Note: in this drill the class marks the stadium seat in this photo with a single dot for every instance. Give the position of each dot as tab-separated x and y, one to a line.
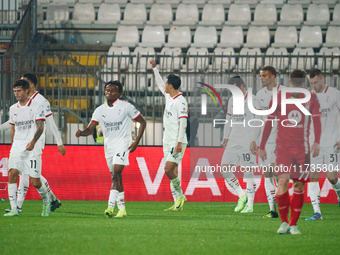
285	37
291	14
153	36
246	2
324	1
83	13
141	1
193	1
329	58
276	2
310	37
304	2
257	37
332	37
186	14
276	57
160	14
213	14
127	36
134	14
302	58
336	15
172	2
231	37
143	54
56	14
119	58
205	37
239	14
265	14
115	1
199	62
108	14
223	59
251	59
67	2
225	2
317	14
97	2
170	63
179	37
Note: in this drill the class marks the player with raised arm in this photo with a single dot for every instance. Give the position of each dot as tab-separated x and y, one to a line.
263	98
292	149
236	140
24	178
174	137
115	117
328	158
27	119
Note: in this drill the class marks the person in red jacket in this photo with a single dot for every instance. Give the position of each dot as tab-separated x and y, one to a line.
292	149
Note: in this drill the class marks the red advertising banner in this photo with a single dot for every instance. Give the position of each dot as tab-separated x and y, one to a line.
82	174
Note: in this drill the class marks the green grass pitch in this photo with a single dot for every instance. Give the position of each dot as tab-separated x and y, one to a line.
80	227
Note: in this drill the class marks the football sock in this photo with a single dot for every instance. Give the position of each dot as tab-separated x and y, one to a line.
295	207
113	197
24	184
120	201
283	206
43	193
336	188
251	186
12	195
235	185
314	194
177	186
173	191
50	194
270	192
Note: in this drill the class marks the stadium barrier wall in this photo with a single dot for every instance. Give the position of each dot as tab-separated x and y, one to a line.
82	174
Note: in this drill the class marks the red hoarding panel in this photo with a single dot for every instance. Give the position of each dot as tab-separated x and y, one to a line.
82	174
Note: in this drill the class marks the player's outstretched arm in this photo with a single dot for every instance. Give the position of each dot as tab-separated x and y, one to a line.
53	127
140	119
40	130
159	81
87	131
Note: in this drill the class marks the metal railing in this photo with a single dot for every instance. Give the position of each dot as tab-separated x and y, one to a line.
73	84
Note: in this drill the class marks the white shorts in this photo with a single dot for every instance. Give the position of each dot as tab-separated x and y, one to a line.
238	156
327	157
170	155
118	158
26	165
270	149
